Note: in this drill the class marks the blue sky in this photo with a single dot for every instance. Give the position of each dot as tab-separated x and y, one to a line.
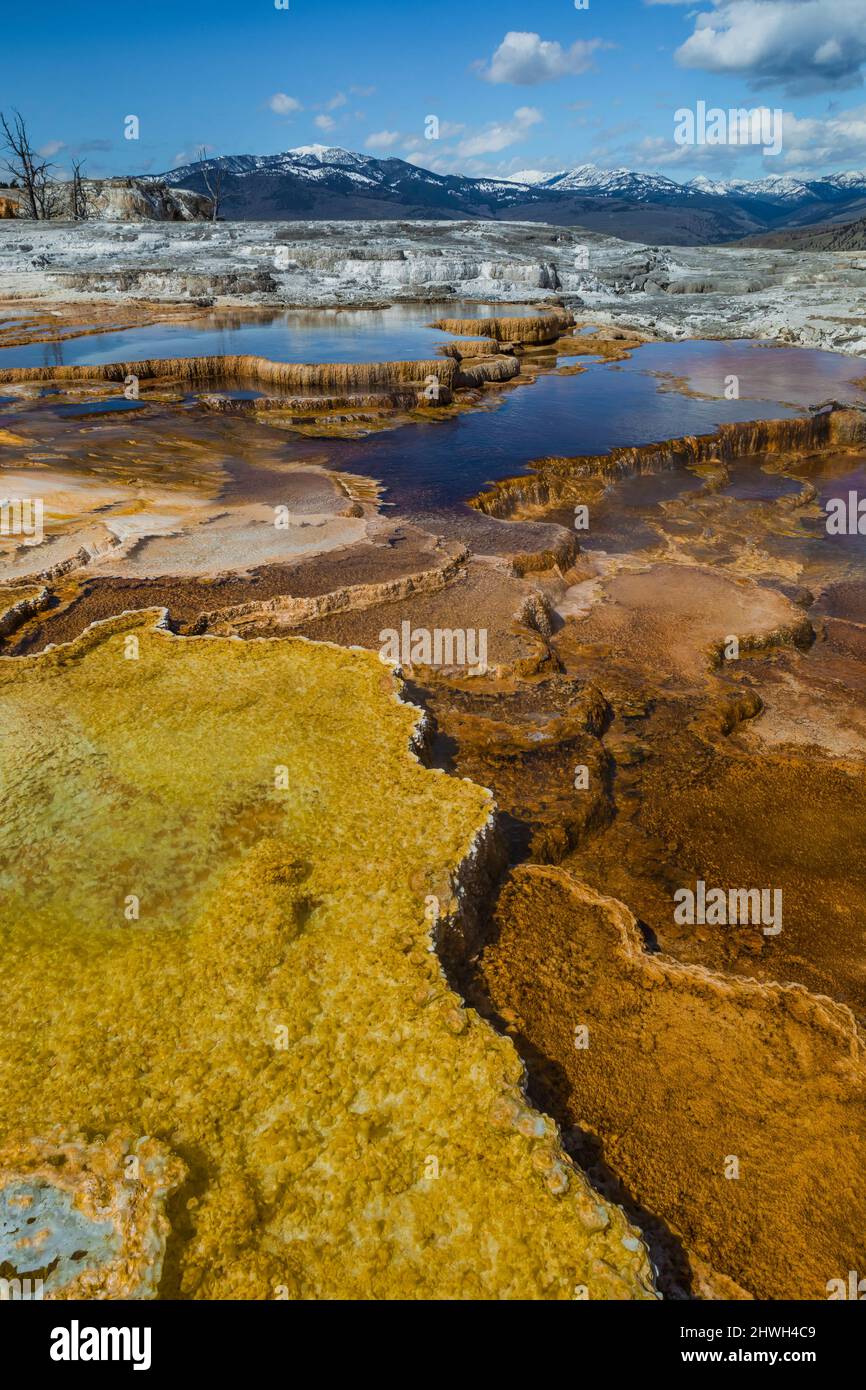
514	85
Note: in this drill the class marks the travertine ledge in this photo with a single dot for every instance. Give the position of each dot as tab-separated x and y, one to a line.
237	959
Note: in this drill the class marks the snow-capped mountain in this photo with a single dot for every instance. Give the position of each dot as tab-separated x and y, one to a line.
318	163
776	186
622	182
328	182
785	187
532	177
589	178
703	185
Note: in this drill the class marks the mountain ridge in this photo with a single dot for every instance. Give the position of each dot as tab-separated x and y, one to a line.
328	182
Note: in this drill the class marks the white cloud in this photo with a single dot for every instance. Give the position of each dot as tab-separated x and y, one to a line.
324	122
284	105
811	147
336	101
448	130
801	45
815	145
382	139
51	148
465	156
196	147
531	175
362	91
448	161
500	134
657	153
526	59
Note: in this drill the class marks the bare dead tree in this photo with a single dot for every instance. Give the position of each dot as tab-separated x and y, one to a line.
50	198
213	180
40	198
80	200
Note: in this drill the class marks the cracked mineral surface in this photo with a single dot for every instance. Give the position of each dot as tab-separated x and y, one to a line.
812	298
392	1003
236	959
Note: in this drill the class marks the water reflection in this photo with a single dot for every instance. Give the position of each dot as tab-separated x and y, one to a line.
399	331
606	406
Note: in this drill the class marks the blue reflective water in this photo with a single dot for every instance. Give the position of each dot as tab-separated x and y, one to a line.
106	407
400	331
610	404
438	465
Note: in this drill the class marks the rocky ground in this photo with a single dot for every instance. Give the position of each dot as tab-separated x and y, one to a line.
337	1124
810	298
626	753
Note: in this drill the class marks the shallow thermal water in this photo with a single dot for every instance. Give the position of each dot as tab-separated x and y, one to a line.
682	797
436	466
399	332
608	405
